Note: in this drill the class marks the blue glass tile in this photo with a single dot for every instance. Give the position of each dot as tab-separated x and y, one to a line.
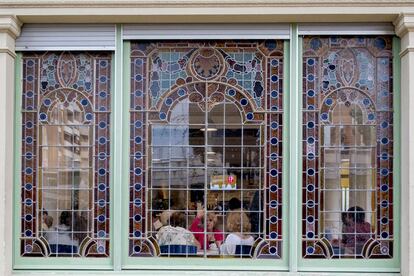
311	93
384	188
137	218
273	172
102	124
101	218
273	204
273	235
137	187
310	187
310	219
102	187
102	171
249	116
310	250
273	219
310	172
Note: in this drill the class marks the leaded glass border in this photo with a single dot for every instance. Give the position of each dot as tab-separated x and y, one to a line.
81	83
355	73
247	73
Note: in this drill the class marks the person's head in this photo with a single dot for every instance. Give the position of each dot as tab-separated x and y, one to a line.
354	214
235	203
48	220
357	214
65	218
211	221
238	222
177	219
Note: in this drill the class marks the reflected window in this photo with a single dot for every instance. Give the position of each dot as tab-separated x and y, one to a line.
347	134
65	208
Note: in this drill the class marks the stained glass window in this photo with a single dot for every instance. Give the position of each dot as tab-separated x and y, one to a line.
65	154
347	202
206	149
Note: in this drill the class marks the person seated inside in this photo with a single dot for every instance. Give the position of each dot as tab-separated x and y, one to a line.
176	233
239	225
235	204
214	237
61	237
355	231
47	221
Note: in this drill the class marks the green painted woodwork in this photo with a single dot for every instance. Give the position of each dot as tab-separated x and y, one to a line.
292	178
354	265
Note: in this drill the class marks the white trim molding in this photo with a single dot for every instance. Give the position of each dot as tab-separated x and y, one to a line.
206	31
9	31
335	28
404	24
404	28
10	24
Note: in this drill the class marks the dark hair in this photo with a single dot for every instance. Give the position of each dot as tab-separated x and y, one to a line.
356	213
178	219
65	218
235	204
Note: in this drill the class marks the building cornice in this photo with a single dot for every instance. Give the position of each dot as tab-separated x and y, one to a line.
11	25
404	24
201	3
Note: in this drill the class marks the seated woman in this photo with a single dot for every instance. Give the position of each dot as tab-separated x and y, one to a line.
355	230
176	235
213	235
61	238
238	223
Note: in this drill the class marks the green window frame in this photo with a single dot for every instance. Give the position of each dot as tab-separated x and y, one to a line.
292	259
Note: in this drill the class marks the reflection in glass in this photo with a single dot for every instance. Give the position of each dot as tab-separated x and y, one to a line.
211	104
65	207
213	164
347	180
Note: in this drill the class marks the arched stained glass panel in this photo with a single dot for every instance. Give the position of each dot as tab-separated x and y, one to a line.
65	155
206	149
347	201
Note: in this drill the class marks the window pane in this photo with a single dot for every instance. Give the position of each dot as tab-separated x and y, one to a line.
210	104
347	107
65	208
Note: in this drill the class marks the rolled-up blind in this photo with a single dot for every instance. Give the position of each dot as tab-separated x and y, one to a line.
46	37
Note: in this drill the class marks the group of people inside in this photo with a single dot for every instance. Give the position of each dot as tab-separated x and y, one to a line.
204	233
237	225
66	235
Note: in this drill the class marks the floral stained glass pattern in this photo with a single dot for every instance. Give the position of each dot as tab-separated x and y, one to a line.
65	154
206	142
347	201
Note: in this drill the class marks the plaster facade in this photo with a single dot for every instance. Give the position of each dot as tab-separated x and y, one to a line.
15	13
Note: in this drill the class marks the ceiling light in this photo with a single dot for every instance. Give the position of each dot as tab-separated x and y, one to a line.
209	129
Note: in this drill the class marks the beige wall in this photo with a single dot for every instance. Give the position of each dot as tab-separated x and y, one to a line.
213	11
